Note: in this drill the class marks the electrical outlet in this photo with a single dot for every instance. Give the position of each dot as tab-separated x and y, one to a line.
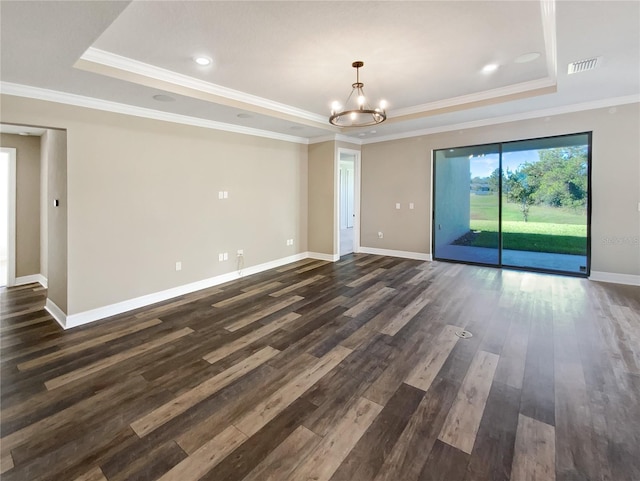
225	256
411	206
225	194
380	235
178	266
240	252
220	195
398	205
220	257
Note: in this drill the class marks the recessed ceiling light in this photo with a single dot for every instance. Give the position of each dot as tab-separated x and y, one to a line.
372	131
491	67
244	116
296	127
24	133
527	57
204	61
163	98
362	134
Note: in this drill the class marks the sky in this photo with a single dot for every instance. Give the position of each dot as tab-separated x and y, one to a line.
483	166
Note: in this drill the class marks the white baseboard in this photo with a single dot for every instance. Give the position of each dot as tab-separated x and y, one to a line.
629	279
92	315
86	317
419	256
39	278
324	257
56	313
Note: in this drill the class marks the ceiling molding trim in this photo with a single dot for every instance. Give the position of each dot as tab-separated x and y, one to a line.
335	138
534	114
119	62
323	138
27	91
346	138
474	98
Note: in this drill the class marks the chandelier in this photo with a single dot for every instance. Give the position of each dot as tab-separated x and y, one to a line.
358	113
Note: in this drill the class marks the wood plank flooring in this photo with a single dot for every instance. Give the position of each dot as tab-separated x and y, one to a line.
346	371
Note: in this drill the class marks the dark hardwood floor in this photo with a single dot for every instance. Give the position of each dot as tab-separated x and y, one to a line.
344	372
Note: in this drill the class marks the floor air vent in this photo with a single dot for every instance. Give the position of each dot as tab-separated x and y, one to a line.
584	65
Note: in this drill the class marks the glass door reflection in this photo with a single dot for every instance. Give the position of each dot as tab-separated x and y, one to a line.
467	185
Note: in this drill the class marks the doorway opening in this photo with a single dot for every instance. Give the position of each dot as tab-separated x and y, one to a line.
522	204
7	216
348	201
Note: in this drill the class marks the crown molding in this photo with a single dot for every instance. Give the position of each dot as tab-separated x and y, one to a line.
38	93
18	90
336	138
108	59
349	140
533	114
475	98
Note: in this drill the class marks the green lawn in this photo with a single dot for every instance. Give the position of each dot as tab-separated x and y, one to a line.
549	229
486	207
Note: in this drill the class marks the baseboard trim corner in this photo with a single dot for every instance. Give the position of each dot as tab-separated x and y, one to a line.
615	278
419	256
57	313
324	257
30	279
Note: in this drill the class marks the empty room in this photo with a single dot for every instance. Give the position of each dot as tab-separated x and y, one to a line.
320	240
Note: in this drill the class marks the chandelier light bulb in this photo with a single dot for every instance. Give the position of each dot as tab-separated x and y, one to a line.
361	100
353	115
383	104
335	106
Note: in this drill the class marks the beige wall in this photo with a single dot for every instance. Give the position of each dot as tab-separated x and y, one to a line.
392	172
400	171
54	154
143	194
27	202
321	197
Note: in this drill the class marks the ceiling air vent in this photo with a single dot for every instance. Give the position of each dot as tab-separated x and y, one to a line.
584	65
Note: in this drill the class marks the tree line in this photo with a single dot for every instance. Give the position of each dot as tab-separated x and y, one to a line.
557	179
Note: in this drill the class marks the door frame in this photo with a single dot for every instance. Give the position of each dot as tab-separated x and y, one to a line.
11	217
356	198
500	265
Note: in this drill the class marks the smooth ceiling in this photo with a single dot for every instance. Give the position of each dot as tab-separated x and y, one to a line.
283	63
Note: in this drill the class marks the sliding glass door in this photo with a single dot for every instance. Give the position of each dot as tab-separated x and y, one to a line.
522	204
467	195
